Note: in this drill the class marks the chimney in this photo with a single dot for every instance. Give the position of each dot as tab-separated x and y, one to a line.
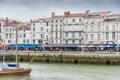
31	20
7	21
14	21
53	14
67	13
87	12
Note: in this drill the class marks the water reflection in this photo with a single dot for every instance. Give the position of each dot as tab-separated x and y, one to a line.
15	77
42	71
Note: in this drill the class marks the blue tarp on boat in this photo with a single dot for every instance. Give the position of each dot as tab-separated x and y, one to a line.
12	65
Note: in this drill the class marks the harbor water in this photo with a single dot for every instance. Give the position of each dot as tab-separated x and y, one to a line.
49	71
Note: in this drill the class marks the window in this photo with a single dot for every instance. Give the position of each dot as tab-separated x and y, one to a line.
60	41
40	23
56	41
66	34
66	41
41	35
52	41
60	20
0	37
51	27
9	41
73	20
92	21
6	35
86	21
73	41
10	29
61	35
80	34
24	35
73	34
52	21
47	37
56	21
41	28
56	27
28	41
34	29
99	28
20	35
86	36
113	35
60	27
23	41
33	41
99	36
113	27
24	30
86	28
0	30
33	35
107	28
33	24
92	37
39	41
79	41
56	35
46	23
92	28
80	19
66	21
107	36
47	30
10	36
6	29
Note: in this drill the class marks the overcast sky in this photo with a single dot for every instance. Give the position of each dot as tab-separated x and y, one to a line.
33	9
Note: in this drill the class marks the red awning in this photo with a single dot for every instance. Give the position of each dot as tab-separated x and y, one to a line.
4	45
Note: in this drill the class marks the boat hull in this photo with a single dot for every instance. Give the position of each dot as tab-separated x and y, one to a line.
17	71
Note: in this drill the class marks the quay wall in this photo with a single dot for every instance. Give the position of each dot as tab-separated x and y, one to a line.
112	58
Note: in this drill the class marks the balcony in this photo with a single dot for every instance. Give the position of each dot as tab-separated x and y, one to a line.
78	38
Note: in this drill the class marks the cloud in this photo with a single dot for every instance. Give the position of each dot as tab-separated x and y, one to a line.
27	9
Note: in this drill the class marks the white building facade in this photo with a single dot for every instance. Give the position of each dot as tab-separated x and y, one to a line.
40	30
85	28
78	28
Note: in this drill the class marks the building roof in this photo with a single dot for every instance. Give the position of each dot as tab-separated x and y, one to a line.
97	14
86	14
68	14
113	15
43	19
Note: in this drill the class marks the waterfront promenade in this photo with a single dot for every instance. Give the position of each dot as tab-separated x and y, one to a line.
69	53
65	57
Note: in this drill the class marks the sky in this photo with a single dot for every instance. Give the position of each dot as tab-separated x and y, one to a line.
33	9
